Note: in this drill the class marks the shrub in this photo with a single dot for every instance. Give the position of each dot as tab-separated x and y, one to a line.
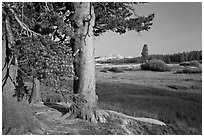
53	98
200	61
193	63
155	65
104	70
132	69
189	71
116	70
120	69
184	64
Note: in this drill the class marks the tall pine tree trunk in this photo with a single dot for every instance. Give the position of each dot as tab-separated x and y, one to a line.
36	92
84	64
17	117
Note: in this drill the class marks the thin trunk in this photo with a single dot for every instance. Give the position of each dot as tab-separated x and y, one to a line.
36	92
17	117
84	64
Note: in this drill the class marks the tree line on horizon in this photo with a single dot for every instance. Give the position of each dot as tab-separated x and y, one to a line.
167	58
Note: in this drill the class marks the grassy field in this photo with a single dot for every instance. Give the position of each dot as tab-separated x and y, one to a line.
166	80
175	99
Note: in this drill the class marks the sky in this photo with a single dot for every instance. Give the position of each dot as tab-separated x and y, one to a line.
177	27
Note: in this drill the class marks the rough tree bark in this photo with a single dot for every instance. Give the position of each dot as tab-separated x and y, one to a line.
17	117
36	92
84	64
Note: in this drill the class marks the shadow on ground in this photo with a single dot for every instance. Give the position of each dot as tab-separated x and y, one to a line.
61	108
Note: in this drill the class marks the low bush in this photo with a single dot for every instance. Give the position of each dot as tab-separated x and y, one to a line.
120	69
116	70
189	71
132	69
200	61
53	98
184	64
104	70
155	65
193	63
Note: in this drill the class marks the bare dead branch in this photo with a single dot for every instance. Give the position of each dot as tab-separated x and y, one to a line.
47	8
130	7
23	25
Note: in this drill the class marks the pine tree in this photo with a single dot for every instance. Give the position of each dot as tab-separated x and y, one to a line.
144	53
58	30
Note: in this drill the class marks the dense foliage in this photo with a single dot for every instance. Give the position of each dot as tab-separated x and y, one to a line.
179	57
43	50
155	65
193	63
119	17
115	70
42	32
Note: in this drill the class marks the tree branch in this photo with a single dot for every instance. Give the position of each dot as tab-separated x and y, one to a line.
130	7
47	8
23	25
106	9
9	54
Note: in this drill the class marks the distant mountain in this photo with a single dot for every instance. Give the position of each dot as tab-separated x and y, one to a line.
129	57
109	57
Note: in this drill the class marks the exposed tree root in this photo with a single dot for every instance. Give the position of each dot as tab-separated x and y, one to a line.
96	116
147	120
101	115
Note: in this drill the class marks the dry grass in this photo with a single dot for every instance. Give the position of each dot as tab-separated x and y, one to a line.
172	98
187	82
179	109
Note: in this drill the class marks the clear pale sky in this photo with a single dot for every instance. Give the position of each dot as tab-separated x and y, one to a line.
177	27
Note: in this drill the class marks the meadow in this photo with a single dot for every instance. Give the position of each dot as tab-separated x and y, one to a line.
175	99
